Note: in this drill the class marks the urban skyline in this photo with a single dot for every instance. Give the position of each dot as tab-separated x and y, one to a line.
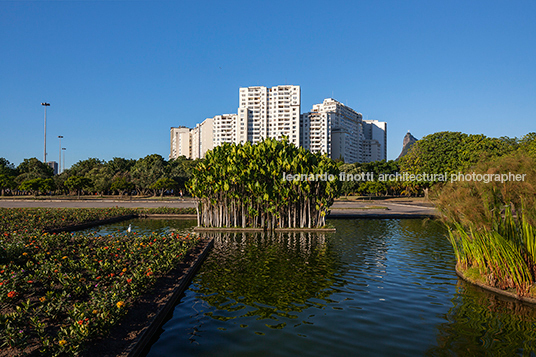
330	127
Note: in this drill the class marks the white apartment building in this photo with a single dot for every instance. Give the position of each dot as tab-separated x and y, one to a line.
330	128
272	112
230	128
375	144
202	138
181	142
334	129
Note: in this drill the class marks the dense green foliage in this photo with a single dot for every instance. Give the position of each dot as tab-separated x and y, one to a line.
149	175
58	291
493	224
451	152
259	270
371	185
246	186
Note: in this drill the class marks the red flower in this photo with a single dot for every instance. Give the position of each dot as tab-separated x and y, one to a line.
11	294
129	281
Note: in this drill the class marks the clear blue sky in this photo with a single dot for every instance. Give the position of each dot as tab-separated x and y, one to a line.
119	74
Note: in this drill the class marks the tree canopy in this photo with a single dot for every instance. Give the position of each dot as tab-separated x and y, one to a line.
269	184
450	152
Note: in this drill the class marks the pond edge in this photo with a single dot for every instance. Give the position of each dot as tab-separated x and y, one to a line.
250	229
528	300
137	348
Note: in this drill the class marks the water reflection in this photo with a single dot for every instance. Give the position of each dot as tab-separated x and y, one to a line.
375	287
482	321
145	226
267	276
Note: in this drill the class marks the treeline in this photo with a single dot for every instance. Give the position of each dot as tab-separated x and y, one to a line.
438	155
151	175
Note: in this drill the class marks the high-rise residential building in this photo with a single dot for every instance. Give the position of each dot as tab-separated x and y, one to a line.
334	129
230	128
330	128
202	138
181	142
375	144
272	112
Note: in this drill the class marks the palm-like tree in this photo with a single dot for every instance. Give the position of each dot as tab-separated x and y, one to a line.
244	185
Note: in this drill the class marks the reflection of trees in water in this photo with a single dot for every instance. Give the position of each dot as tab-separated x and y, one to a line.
483	320
266	275
146	226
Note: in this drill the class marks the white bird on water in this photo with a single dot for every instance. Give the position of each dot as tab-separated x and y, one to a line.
129	228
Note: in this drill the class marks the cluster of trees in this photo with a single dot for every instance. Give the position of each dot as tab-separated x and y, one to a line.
270	184
149	175
366	179
442	153
438	153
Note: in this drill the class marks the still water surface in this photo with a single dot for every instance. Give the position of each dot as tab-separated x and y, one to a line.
375	287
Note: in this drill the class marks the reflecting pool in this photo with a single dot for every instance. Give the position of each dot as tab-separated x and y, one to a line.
375	287
145	226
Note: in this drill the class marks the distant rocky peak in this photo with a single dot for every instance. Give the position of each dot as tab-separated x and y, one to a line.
408	141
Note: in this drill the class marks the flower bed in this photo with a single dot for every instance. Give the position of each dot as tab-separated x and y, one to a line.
58	291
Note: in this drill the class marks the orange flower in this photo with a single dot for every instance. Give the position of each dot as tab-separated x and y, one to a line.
11	294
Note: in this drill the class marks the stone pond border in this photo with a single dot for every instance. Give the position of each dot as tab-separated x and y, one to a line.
528	300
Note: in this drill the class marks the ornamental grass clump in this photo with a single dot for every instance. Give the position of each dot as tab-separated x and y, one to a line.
492	225
271	184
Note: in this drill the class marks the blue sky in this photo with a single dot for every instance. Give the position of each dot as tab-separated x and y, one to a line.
119	74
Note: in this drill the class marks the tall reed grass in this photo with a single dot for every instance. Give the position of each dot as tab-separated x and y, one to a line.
492	226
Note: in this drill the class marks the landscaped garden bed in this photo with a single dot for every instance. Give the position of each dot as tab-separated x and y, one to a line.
60	291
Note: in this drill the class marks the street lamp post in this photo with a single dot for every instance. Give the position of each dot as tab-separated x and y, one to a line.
64	157
59	162
45	104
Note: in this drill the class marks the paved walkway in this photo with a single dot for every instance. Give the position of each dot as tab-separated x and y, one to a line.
340	209
381	209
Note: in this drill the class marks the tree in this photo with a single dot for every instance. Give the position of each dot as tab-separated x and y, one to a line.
122	184
147	171
101	179
31	185
6	183
451	152
32	169
7	175
269	184
77	183
84	167
180	170
7	168
164	184
34	186
527	144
